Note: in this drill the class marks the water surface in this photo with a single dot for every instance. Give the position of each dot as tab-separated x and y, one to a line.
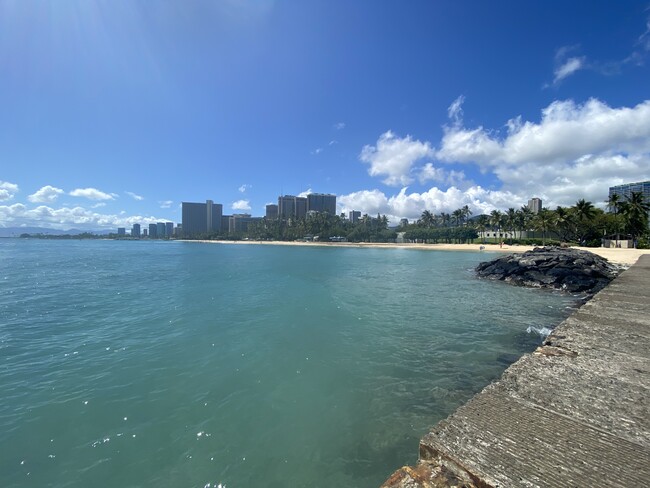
182	364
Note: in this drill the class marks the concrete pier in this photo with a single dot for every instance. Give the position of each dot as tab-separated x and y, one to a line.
574	413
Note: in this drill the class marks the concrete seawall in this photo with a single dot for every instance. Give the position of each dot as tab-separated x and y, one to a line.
573	413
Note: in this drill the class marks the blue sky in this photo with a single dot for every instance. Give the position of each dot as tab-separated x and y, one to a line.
114	112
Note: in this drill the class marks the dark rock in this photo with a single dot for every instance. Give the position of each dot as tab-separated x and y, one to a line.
571	270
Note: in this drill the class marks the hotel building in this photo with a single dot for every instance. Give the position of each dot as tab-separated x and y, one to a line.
201	218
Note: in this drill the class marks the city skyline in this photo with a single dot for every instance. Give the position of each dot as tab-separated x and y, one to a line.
114	114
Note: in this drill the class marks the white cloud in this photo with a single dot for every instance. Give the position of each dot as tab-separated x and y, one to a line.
411	205
339	125
451	178
166	203
47	194
241	205
455	110
134	196
305	193
318	150
394	157
92	194
67	217
568	67
574	151
566	132
7	190
332	142
245	187
98	205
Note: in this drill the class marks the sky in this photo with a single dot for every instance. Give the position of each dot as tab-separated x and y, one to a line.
114	112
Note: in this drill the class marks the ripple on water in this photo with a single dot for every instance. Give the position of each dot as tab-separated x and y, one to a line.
135	363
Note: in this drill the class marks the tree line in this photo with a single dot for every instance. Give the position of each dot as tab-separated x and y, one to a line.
582	223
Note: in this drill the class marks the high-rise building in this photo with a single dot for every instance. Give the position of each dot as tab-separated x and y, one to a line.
321	202
272	211
161	229
241	222
354	216
145	232
292	207
535	205
169	229
135	230
625	191
121	231
201	218
153	231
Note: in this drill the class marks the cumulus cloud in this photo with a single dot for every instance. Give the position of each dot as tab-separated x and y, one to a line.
450	178
574	151
67	217
305	193
339	125
566	132
166	203
92	194
241	205
245	187
394	157
47	194
7	190
411	205
134	196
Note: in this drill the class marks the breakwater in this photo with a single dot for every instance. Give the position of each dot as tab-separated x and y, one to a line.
573	413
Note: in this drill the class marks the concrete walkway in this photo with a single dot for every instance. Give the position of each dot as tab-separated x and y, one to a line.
575	413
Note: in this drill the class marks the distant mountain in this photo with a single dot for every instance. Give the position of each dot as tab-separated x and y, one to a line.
17	231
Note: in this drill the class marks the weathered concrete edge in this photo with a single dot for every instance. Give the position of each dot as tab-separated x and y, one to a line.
440	467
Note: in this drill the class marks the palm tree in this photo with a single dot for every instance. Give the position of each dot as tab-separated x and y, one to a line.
584	212
511	221
496	219
635	211
525	218
457	216
563	222
445	219
481	223
466	213
427	219
614	205
543	221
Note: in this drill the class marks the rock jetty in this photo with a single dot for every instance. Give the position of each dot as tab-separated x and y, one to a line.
571	270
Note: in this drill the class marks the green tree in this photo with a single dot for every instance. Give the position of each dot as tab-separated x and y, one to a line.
543	222
614	205
635	212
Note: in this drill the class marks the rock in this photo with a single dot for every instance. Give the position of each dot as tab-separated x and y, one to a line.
571	270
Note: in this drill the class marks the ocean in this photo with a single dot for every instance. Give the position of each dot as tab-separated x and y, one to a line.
172	364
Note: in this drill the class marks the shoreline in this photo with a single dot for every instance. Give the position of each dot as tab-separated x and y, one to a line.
624	257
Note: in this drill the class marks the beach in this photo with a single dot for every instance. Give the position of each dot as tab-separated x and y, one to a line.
624	257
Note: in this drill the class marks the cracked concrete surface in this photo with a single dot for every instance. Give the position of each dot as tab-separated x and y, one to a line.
573	413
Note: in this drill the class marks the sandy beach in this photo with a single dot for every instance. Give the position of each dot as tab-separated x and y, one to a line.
625	257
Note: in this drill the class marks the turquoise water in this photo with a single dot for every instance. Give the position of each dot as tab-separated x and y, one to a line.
181	364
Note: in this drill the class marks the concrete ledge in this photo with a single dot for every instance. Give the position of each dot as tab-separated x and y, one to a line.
573	413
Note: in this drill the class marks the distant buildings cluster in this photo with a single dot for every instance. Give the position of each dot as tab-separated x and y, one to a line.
159	230
208	218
